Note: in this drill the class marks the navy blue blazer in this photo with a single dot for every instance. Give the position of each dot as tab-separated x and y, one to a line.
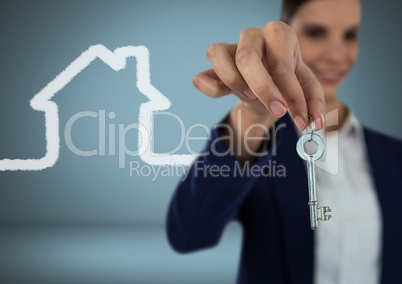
278	244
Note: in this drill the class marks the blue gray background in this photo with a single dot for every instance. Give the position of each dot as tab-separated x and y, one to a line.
86	219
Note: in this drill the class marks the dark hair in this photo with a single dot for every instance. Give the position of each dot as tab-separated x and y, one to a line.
289	8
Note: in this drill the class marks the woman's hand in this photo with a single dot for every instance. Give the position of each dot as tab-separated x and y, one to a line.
265	70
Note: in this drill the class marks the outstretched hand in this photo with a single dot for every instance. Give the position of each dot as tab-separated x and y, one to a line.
266	71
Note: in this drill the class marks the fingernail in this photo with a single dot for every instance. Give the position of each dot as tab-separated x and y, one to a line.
277	108
319	122
249	93
322	116
300	123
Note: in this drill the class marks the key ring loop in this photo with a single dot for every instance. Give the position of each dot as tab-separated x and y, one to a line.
306	138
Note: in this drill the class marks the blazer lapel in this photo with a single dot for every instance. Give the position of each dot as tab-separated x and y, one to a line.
387	179
292	196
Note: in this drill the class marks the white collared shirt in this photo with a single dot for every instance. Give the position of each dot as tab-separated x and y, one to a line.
347	247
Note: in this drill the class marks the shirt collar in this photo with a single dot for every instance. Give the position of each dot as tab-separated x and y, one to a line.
351	126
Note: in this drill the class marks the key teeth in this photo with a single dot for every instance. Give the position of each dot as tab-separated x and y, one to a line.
323	216
326	218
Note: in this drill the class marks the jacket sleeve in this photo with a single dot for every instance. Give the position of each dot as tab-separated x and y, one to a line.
209	196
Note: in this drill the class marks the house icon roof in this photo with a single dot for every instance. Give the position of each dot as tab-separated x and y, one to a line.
116	60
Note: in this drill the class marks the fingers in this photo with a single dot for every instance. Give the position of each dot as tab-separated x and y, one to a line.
268	59
224	78
210	84
266	65
313	94
282	59
221	56
249	62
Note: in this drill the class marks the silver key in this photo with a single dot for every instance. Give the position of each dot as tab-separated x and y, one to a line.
316	213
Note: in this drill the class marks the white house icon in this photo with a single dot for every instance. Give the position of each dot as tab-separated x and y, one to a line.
117	61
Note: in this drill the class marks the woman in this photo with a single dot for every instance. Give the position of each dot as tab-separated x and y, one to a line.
294	66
